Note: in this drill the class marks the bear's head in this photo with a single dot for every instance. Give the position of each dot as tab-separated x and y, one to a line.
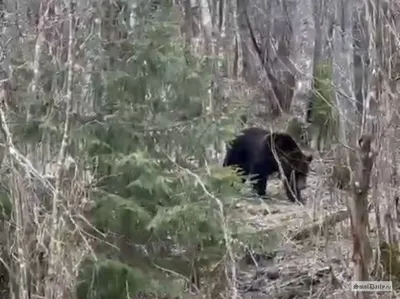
295	162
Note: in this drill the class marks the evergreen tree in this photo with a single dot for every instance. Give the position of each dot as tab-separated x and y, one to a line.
158	191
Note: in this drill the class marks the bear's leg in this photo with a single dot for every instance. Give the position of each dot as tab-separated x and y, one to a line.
260	186
292	189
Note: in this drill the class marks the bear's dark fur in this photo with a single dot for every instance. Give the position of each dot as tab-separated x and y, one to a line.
252	153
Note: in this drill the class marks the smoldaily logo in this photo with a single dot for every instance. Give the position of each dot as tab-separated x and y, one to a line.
371	286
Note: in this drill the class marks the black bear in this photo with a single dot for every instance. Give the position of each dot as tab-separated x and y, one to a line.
253	153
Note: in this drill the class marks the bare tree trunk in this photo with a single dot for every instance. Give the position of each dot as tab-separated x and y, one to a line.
19	206
305	38
45	7
188	26
345	100
381	116
362	251
53	288
343	70
323	19
343	81
230	39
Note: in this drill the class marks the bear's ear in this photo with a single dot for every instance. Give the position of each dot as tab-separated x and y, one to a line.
309	158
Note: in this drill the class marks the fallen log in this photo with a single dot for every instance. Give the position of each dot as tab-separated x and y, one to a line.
318	226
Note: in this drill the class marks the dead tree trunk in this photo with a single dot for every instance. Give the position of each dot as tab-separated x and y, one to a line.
362	251
304	36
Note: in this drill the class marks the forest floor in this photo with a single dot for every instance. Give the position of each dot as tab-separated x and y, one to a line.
301	265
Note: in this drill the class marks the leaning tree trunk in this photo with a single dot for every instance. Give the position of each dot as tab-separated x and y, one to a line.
266	45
